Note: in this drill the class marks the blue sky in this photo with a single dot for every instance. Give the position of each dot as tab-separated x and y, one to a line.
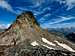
49	13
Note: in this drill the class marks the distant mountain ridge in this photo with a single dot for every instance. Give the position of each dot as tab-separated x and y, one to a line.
68	33
64	30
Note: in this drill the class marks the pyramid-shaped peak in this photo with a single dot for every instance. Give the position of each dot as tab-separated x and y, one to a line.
26	14
27	17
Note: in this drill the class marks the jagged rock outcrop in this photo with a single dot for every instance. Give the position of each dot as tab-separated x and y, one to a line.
25	31
24	27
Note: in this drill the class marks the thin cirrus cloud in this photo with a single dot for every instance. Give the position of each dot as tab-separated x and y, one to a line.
64	25
57	22
44	18
38	11
5	5
69	3
36	3
58	25
62	18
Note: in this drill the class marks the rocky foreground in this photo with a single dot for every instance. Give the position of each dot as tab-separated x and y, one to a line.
36	51
25	38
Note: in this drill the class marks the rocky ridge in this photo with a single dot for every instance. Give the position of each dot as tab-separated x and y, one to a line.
26	33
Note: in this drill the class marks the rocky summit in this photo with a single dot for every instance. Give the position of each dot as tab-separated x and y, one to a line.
26	38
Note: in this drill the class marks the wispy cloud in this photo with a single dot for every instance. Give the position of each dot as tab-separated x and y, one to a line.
37	2
62	18
34	10
69	3
4	4
4	26
56	23
43	19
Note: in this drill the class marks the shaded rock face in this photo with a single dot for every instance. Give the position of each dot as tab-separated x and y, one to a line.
71	37
26	32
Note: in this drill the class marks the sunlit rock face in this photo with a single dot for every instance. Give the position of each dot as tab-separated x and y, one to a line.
26	33
24	27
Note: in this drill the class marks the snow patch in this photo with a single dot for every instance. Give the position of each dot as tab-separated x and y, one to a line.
65	46
34	43
48	47
48	42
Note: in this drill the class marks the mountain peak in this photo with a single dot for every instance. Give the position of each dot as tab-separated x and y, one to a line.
26	31
27	17
24	25
25	20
